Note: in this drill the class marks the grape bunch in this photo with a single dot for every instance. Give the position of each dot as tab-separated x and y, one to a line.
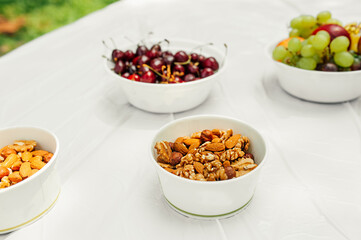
304	25
156	66
320	44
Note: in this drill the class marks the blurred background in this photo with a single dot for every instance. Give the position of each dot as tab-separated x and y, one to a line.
24	20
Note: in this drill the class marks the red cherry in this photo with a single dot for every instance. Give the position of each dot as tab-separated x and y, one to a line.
129	55
134	77
157	64
148	77
117	55
119	67
125	75
178	68
206	72
135	60
189	77
194	57
210	62
192	68
181	56
141	50
153	53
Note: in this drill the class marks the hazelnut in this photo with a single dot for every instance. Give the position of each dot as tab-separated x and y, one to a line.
206	136
230	172
175	158
249	155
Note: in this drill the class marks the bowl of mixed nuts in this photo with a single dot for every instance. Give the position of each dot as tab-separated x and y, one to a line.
29	185
208	165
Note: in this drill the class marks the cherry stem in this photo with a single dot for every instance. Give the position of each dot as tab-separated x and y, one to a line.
105	45
156	72
115	46
225	53
106	58
201	46
127	38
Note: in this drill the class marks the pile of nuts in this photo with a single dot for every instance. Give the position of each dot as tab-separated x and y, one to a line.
20	160
210	155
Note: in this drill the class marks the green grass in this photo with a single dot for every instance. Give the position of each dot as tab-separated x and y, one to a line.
43	16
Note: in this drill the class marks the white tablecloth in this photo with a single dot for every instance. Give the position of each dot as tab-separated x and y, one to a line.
309	189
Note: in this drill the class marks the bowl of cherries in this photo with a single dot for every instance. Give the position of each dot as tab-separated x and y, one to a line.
165	76
320	60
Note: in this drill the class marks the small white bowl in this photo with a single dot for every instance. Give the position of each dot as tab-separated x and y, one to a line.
30	199
209	199
166	98
317	86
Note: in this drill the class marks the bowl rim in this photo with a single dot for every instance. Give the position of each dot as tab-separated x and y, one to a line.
199	81
43	169
269	49
220	117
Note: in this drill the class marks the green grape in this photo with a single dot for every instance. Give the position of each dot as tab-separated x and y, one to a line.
306	32
279	53
323	16
339	44
294	33
307	63
320	42
308	21
294	45
317	58
333	21
310	39
308	51
343	59
296	22
324	33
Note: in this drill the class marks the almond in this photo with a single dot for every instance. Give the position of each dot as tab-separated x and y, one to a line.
40	153
10	160
180	147
216	132
33	171
25	170
36	162
198	167
192	141
215	147
179	140
15	177
4	172
216	140
170	170
232	141
26	156
16	165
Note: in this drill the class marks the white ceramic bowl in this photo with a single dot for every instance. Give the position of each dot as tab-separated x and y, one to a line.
209	199
317	86
165	98
28	200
